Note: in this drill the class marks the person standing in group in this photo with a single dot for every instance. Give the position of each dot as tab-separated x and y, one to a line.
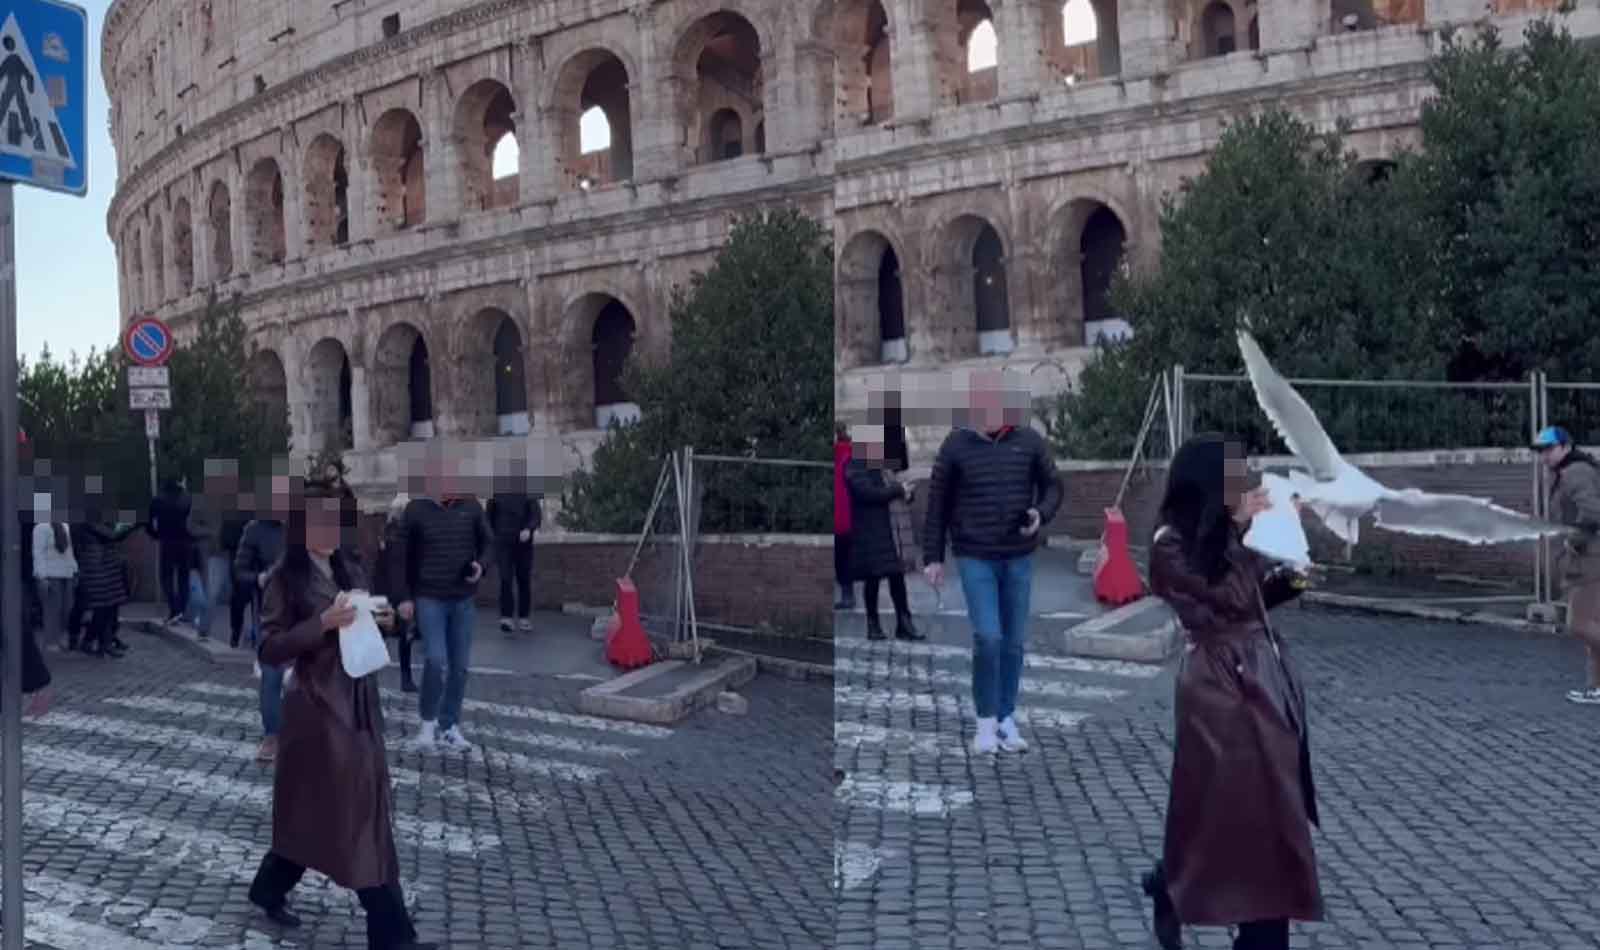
1242	804
842	520
55	570
104	577
219	496
260	546
389	580
168	523
993	488
515	516
236	518
1575	502
443	546
332	727
877	553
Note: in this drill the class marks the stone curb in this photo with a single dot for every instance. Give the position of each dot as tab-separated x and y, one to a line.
155	628
797	670
1094	638
1376	605
610	699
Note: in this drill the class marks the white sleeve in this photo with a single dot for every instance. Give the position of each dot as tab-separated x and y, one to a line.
43	536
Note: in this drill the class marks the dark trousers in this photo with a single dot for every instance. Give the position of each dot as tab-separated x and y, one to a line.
176	560
403	632
841	560
75	618
102	627
1263	935
243	596
388	923
897	593
516	579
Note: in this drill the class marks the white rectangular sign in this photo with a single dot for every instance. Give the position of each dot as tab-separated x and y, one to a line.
152	423
145	377
149	399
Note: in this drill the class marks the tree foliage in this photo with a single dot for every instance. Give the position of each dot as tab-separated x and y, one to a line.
1476	258
750	375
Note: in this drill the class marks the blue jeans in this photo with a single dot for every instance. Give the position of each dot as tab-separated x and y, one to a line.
446	627
271	699
214	599
999	595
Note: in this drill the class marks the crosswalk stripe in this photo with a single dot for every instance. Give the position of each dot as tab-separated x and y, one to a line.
224	789
1032	661
177	848
54	917
522	763
399	700
955	706
518	802
855	864
915	798
883	669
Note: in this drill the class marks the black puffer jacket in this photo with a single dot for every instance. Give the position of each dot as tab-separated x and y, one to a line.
981	490
872	548
102	570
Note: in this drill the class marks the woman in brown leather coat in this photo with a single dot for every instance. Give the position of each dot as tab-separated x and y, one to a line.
1238	836
331	804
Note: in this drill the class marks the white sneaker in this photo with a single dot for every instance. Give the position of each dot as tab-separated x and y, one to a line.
1588	697
505	626
1010	737
987	741
427	735
526	625
453	739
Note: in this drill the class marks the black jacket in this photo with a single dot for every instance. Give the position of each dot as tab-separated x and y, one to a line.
873	552
233	525
102	570
260	547
981	490
438	544
169	519
510	515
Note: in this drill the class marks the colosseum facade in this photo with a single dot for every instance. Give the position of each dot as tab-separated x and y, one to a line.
452	219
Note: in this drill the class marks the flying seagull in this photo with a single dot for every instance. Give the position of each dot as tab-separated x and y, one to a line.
1340	494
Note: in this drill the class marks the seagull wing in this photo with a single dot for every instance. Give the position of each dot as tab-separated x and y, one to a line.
1458	517
1277	532
1289	413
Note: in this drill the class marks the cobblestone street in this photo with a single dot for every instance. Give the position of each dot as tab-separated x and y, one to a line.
1454	779
146	815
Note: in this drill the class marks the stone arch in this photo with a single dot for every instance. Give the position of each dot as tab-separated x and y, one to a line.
494	374
402	386
718	60
1373	171
1082	39
485	115
268	381
329	410
1254	34
158	263
1216	33
263	208
955	25
183	244
595	78
327	192
973	259
399	179
872	295
1089	245
861	31
219	214
601	333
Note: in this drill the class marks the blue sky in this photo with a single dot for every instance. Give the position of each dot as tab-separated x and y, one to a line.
66	266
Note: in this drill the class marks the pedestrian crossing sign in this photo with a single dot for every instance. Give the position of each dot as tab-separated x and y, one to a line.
44	85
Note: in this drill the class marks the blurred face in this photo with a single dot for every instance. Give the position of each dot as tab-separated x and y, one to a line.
987	403
1554	455
1235	473
324	529
274	496
868	443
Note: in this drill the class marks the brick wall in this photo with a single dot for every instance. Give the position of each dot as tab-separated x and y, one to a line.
1503	477
739	580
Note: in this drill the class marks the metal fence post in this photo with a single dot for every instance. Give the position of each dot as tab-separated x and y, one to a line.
1539	547
1180	403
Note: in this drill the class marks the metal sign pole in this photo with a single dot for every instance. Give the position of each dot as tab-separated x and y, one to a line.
151	440
11	584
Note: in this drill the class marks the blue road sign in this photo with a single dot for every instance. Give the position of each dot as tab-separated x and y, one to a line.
44	95
148	342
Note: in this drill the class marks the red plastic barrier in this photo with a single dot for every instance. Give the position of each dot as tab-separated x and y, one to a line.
1116	578
626	645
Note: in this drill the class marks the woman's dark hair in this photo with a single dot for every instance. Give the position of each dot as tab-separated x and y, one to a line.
1196	504
294	571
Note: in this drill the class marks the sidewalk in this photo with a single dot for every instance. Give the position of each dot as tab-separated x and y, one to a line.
559	645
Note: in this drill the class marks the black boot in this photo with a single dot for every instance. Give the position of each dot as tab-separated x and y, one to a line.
874	628
905	629
1164	917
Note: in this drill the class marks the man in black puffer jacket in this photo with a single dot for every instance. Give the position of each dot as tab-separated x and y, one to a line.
515	515
994	486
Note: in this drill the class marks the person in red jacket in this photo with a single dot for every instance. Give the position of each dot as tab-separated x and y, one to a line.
842	452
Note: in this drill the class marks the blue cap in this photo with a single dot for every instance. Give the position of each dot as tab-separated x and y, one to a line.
1550	437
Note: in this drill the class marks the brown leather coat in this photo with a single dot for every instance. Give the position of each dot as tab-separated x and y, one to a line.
331	804
1238	836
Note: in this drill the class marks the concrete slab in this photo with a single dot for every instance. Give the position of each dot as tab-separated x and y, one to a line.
629	696
1145	631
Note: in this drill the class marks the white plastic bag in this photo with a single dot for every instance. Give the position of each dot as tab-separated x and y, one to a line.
361	646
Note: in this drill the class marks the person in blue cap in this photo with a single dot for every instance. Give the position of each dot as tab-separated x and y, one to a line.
1575	502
